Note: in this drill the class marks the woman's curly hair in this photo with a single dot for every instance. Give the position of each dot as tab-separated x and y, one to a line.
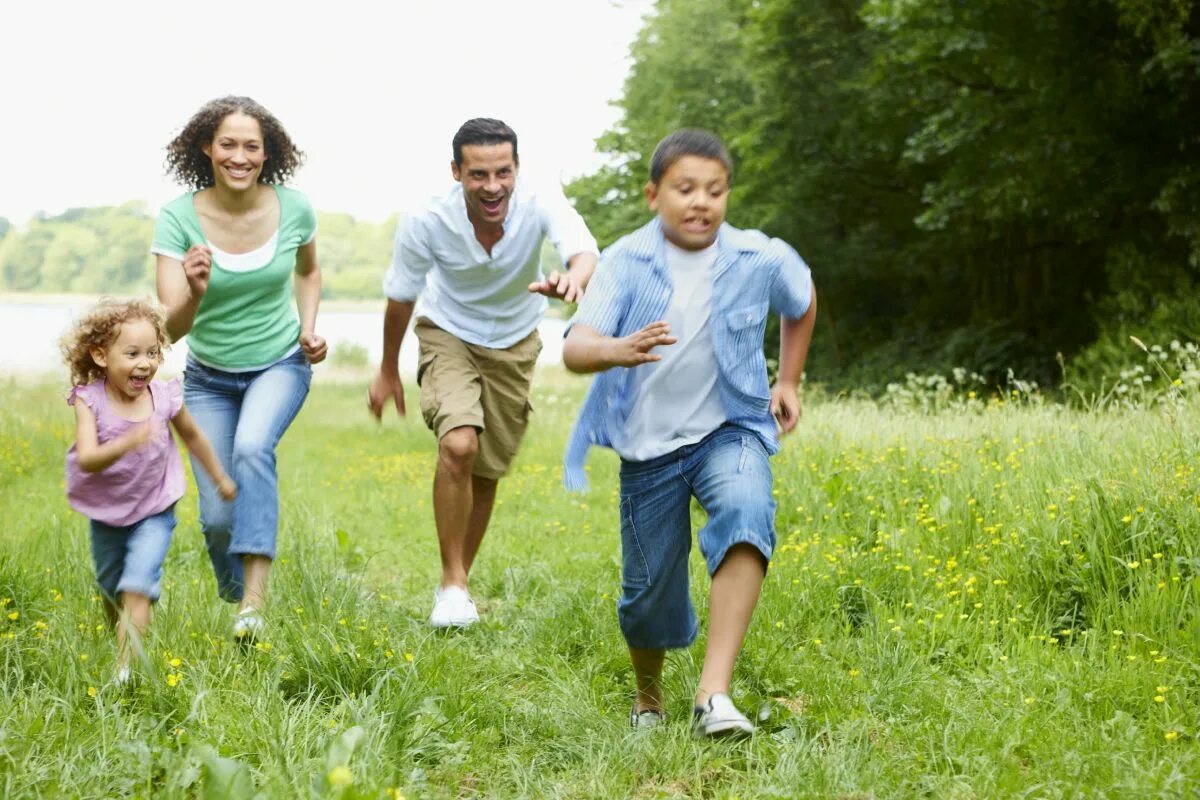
188	164
99	328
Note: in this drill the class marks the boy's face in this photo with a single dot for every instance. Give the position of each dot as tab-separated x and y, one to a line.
690	201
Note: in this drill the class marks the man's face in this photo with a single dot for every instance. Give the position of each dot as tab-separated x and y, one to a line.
690	201
488	174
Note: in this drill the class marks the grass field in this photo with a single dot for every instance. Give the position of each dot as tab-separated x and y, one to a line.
999	599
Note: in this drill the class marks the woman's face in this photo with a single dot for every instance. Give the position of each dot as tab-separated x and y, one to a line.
237	151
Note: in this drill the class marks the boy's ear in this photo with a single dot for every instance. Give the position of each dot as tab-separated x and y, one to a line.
652	195
98	356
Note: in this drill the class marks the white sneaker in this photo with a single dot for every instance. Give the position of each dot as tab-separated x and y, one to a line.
452	607
248	625
123	676
720	717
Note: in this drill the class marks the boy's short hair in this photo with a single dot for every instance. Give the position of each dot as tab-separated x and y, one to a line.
688	142
483	130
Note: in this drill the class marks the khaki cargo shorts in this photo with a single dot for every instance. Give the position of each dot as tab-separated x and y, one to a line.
471	385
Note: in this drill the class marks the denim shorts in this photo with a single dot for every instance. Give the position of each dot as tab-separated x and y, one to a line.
729	473
129	558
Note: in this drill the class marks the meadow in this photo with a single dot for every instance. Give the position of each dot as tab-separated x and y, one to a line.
975	595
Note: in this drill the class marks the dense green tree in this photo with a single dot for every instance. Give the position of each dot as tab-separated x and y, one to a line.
986	183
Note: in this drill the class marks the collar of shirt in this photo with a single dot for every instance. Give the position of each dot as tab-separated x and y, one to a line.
451	208
649	246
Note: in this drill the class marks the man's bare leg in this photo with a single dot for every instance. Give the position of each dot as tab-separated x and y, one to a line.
453	504
483	492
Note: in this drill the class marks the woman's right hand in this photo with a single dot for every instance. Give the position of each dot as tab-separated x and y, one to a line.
197	265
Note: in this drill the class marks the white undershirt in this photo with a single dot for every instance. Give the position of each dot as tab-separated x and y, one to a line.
257	258
676	401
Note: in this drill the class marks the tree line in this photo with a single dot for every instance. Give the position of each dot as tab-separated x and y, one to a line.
987	184
991	184
105	250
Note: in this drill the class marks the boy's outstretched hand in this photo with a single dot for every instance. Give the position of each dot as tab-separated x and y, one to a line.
785	406
634	349
585	350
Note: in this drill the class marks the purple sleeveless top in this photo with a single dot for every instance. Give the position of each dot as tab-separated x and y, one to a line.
142	482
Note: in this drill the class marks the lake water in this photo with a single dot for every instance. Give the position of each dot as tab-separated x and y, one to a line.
30	330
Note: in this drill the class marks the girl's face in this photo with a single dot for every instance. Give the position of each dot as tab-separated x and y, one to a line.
130	362
237	152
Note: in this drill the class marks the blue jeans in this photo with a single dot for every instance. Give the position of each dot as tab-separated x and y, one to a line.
129	558
244	415
729	473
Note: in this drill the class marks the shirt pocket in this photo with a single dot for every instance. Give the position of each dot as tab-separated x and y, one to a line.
747	366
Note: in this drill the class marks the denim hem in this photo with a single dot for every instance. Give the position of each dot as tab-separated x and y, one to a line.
233	551
713	562
142	589
674	644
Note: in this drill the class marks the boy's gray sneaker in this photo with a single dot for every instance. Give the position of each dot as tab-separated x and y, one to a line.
646	719
720	717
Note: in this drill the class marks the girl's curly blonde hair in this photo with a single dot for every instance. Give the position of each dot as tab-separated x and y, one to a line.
99	328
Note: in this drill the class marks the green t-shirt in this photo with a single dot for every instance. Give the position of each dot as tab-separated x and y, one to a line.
246	319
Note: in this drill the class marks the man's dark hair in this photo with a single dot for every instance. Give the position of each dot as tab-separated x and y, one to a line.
687	142
483	130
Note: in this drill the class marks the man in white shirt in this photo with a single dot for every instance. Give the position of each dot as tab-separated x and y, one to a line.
473	257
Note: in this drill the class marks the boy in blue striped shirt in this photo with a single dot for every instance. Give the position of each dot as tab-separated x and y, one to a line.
673	320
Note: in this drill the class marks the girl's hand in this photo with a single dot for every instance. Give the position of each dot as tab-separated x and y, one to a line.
226	488
314	347
197	265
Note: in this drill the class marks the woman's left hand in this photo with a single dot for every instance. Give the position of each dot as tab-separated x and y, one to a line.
314	347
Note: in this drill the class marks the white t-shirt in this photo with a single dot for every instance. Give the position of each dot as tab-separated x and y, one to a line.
676	401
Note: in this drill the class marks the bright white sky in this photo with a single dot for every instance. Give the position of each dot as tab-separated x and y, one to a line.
371	90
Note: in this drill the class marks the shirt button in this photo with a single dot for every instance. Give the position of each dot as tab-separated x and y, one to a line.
749	317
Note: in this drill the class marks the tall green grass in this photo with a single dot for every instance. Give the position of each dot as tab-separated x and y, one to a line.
998	599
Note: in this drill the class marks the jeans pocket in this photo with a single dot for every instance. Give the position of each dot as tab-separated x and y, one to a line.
196	374
635	572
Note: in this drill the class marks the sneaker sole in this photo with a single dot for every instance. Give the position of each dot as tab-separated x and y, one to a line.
732	729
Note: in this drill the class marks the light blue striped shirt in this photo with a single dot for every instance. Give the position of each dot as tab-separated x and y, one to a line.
632	288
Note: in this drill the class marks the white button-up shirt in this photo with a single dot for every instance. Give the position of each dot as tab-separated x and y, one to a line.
480	298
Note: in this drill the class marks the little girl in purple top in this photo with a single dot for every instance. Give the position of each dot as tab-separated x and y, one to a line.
124	472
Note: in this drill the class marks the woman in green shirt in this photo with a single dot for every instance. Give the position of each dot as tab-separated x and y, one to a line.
230	253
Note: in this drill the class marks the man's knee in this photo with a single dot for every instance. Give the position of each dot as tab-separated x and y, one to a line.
458	448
